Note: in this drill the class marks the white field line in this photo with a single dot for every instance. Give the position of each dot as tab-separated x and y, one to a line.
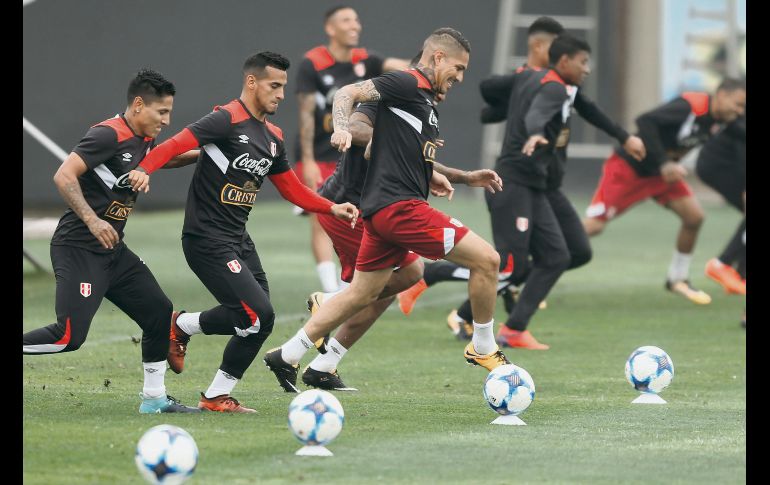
43	139
454	297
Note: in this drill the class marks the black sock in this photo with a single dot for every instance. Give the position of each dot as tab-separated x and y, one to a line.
735	247
443	271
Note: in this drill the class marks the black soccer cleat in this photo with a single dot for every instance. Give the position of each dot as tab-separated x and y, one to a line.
284	372
328	381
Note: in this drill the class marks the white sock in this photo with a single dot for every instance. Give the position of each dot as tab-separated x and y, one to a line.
330	360
154	379
327	273
680	267
189	323
329	296
223	383
293	350
484	337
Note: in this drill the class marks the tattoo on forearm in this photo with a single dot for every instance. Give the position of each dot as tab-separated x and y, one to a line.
368	91
341	109
73	195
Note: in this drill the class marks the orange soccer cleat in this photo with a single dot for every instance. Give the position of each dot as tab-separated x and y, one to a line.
725	275
518	338
177	347
223	404
408	297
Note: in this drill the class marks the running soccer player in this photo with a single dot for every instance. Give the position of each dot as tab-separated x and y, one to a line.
669	132
397	217
323	70
345	186
90	259
721	165
239	149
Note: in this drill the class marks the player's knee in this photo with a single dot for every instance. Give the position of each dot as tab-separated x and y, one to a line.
693	220
258	313
580	257
487	262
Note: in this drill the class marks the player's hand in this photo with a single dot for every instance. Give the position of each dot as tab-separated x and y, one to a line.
634	146
311	173
533	143
139	180
672	172
485	178
439	142
341	140
346	212
440	186
368	151
104	232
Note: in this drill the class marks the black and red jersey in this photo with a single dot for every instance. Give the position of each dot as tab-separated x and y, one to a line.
322	75
496	91
345	184
403	142
110	149
237	152
540	104
671	130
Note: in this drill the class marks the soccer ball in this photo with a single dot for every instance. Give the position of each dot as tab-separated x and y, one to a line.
166	455
509	389
649	369
316	417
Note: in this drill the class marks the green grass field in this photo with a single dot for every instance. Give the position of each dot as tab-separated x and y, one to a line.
420	416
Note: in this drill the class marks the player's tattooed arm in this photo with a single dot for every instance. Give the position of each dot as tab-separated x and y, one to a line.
342	107
66	180
361	129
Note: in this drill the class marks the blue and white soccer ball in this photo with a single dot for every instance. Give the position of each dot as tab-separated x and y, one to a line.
649	369
166	455
509	389
315	417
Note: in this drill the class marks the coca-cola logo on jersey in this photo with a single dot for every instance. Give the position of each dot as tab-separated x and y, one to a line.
257	167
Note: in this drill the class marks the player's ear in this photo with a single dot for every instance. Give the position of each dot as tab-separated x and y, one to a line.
137	104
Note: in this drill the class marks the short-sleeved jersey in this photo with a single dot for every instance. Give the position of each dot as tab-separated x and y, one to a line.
403	142
237	152
110	149
345	184
540	104
671	130
320	74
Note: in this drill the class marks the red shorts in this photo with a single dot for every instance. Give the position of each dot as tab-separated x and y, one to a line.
407	225
620	188
327	169
347	243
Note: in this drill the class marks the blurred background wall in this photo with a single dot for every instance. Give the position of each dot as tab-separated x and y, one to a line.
79	56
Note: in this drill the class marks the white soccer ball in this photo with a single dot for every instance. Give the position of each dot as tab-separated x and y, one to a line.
509	389
316	417
649	369
166	455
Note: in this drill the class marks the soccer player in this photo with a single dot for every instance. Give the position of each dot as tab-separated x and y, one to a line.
239	149
345	186
89	257
397	217
324	70
721	165
669	132
496	91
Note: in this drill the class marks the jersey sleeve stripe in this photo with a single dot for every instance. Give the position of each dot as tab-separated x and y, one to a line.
320	57
699	102
551	75
237	112
421	81
217	156
120	127
274	130
359	54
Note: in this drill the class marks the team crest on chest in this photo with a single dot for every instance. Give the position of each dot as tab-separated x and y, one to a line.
273	148
359	69
234	266
522	224
85	289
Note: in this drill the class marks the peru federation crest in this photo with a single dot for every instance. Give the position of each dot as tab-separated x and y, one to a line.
85	289
234	266
522	224
273	148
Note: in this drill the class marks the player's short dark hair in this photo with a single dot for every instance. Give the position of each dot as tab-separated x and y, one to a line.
334	10
257	63
150	86
547	25
731	84
566	44
444	34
